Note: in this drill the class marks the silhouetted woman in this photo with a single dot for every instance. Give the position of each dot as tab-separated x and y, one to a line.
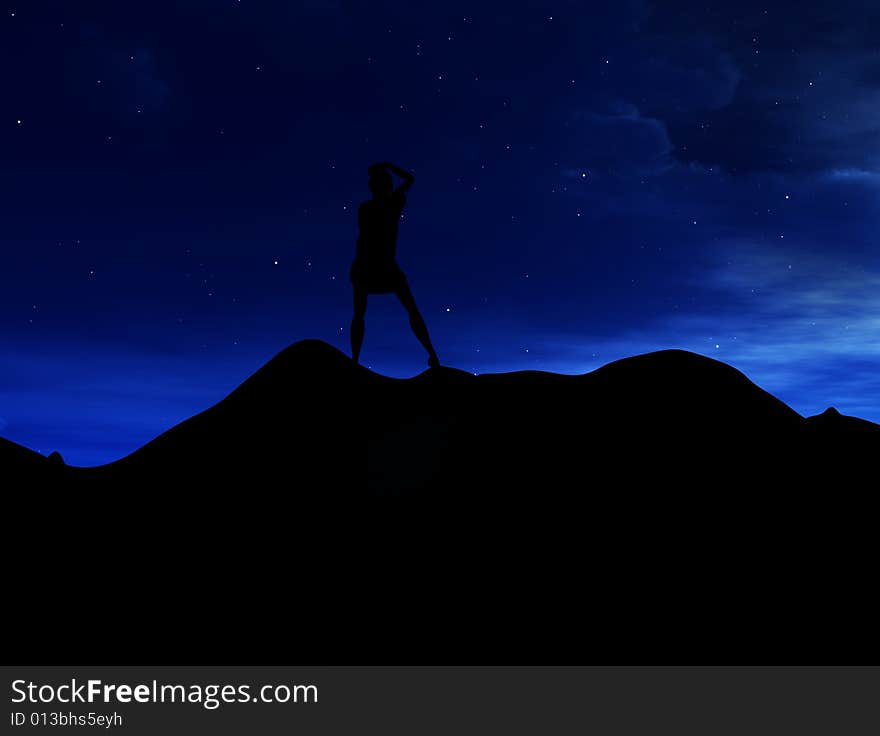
375	269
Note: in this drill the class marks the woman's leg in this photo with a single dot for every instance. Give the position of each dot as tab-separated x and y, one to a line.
357	322
416	322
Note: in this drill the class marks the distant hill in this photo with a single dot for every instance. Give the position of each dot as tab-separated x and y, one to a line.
660	509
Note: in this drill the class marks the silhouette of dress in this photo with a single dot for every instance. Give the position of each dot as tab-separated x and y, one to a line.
375	269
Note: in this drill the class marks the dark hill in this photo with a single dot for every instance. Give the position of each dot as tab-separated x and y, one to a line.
17	459
328	427
660	509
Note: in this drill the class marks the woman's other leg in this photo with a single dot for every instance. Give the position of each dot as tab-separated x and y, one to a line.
417	322
357	322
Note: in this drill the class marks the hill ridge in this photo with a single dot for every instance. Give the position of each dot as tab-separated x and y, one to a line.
312	396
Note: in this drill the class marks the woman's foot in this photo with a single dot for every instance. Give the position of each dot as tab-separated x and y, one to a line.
433	361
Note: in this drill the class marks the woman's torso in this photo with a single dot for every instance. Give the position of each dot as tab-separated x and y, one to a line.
378	221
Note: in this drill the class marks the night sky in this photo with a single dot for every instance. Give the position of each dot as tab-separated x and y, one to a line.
181	181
